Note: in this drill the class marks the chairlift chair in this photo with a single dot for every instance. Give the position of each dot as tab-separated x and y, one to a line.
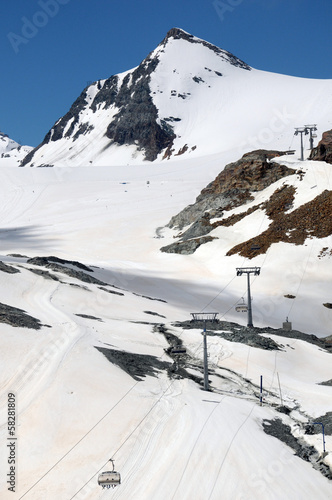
241	307
179	349
255	246
109	479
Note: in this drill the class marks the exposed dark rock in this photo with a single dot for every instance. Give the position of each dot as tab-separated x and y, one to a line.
44	274
149	298
83	129
248	337
180	361
312	219
186	247
326	420
154	314
88	316
178	34
240	333
41	261
136	121
110	291
52	263
328	305
281	431
57	131
233	187
8	269
17	255
18	317
323	151
253	172
328	382
136	365
107	95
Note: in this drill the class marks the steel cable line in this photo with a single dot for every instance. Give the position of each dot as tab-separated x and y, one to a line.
127	438
228	449
92	428
80	440
225	287
194	445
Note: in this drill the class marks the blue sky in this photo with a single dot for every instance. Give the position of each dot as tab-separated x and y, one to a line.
51	49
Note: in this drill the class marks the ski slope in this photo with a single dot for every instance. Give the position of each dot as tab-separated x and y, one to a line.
169	439
105	207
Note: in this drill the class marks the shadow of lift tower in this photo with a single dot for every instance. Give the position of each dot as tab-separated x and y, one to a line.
248	270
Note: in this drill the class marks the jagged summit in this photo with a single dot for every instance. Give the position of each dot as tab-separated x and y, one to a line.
11	152
187	98
7	144
179	34
126	109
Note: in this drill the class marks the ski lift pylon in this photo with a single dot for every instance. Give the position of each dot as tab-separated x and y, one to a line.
241	307
109	479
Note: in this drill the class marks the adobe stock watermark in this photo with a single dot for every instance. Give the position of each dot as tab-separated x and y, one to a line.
223	7
267	135
30	27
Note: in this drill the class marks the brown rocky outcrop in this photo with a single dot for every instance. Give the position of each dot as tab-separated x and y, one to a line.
323	152
313	219
253	172
231	188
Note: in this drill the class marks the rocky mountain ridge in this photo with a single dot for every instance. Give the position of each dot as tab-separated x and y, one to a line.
235	187
188	98
134	118
11	152
323	151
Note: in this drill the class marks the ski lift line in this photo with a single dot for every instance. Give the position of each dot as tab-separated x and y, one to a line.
290	147
222	315
83	437
194	445
228	449
80	440
302	277
127	438
207	305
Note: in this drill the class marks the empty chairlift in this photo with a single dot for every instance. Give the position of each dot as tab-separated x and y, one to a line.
178	349
242	307
109	479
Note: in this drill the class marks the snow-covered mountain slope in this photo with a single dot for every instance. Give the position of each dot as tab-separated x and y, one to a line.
11	152
79	377
285	228
169	439
7	144
90	308
188	98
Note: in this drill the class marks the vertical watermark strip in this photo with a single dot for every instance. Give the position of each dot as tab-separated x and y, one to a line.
11	441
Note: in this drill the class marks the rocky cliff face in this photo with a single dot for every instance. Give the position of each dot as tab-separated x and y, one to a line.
122	110
323	151
135	120
235	187
231	188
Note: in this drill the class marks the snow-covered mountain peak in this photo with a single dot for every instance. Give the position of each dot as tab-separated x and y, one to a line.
11	152
179	34
187	98
7	144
